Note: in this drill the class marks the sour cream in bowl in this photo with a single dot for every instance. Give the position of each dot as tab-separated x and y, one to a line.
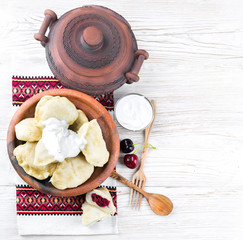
134	112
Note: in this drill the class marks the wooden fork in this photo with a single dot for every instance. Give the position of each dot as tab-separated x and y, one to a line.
139	178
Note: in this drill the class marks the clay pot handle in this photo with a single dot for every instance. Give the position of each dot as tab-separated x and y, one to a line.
50	18
133	75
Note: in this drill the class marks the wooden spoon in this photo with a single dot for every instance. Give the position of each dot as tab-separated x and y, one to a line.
160	204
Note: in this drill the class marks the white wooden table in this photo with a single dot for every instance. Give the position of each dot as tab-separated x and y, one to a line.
195	75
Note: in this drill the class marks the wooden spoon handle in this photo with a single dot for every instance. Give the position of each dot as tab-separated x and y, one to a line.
123	180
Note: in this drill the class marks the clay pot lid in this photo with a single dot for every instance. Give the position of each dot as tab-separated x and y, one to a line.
90	49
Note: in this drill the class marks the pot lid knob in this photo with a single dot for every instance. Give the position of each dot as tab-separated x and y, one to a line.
92	38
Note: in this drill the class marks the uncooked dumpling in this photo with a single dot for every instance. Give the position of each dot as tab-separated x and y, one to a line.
42	157
82	118
72	172
57	107
26	130
92	214
101	199
25	156
95	150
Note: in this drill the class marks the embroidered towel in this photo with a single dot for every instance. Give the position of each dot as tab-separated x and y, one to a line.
42	214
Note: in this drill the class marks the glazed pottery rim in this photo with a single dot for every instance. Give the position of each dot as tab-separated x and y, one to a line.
37	184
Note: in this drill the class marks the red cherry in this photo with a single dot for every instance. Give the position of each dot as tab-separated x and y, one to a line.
131	160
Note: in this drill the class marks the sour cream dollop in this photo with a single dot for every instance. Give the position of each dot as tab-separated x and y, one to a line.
134	112
59	141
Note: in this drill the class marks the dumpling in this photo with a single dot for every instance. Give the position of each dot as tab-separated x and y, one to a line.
98	205
95	150
26	130
92	214
42	157
72	172
25	154
101	199
82	118
57	107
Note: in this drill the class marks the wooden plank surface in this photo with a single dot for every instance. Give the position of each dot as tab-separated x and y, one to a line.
195	75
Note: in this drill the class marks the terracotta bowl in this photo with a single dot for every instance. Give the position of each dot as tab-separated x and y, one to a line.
92	109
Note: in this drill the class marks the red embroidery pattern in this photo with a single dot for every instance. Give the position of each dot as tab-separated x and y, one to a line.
25	87
30	201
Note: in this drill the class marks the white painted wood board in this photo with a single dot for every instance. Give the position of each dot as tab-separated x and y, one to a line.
195	75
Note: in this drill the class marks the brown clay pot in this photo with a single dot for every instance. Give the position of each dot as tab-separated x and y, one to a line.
91	49
93	110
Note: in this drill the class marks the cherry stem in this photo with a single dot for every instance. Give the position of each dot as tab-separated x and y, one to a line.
144	144
151	147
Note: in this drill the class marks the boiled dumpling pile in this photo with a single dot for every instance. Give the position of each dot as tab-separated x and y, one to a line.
98	205
26	130
95	150
42	157
72	172
82	118
57	107
35	159
25	155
